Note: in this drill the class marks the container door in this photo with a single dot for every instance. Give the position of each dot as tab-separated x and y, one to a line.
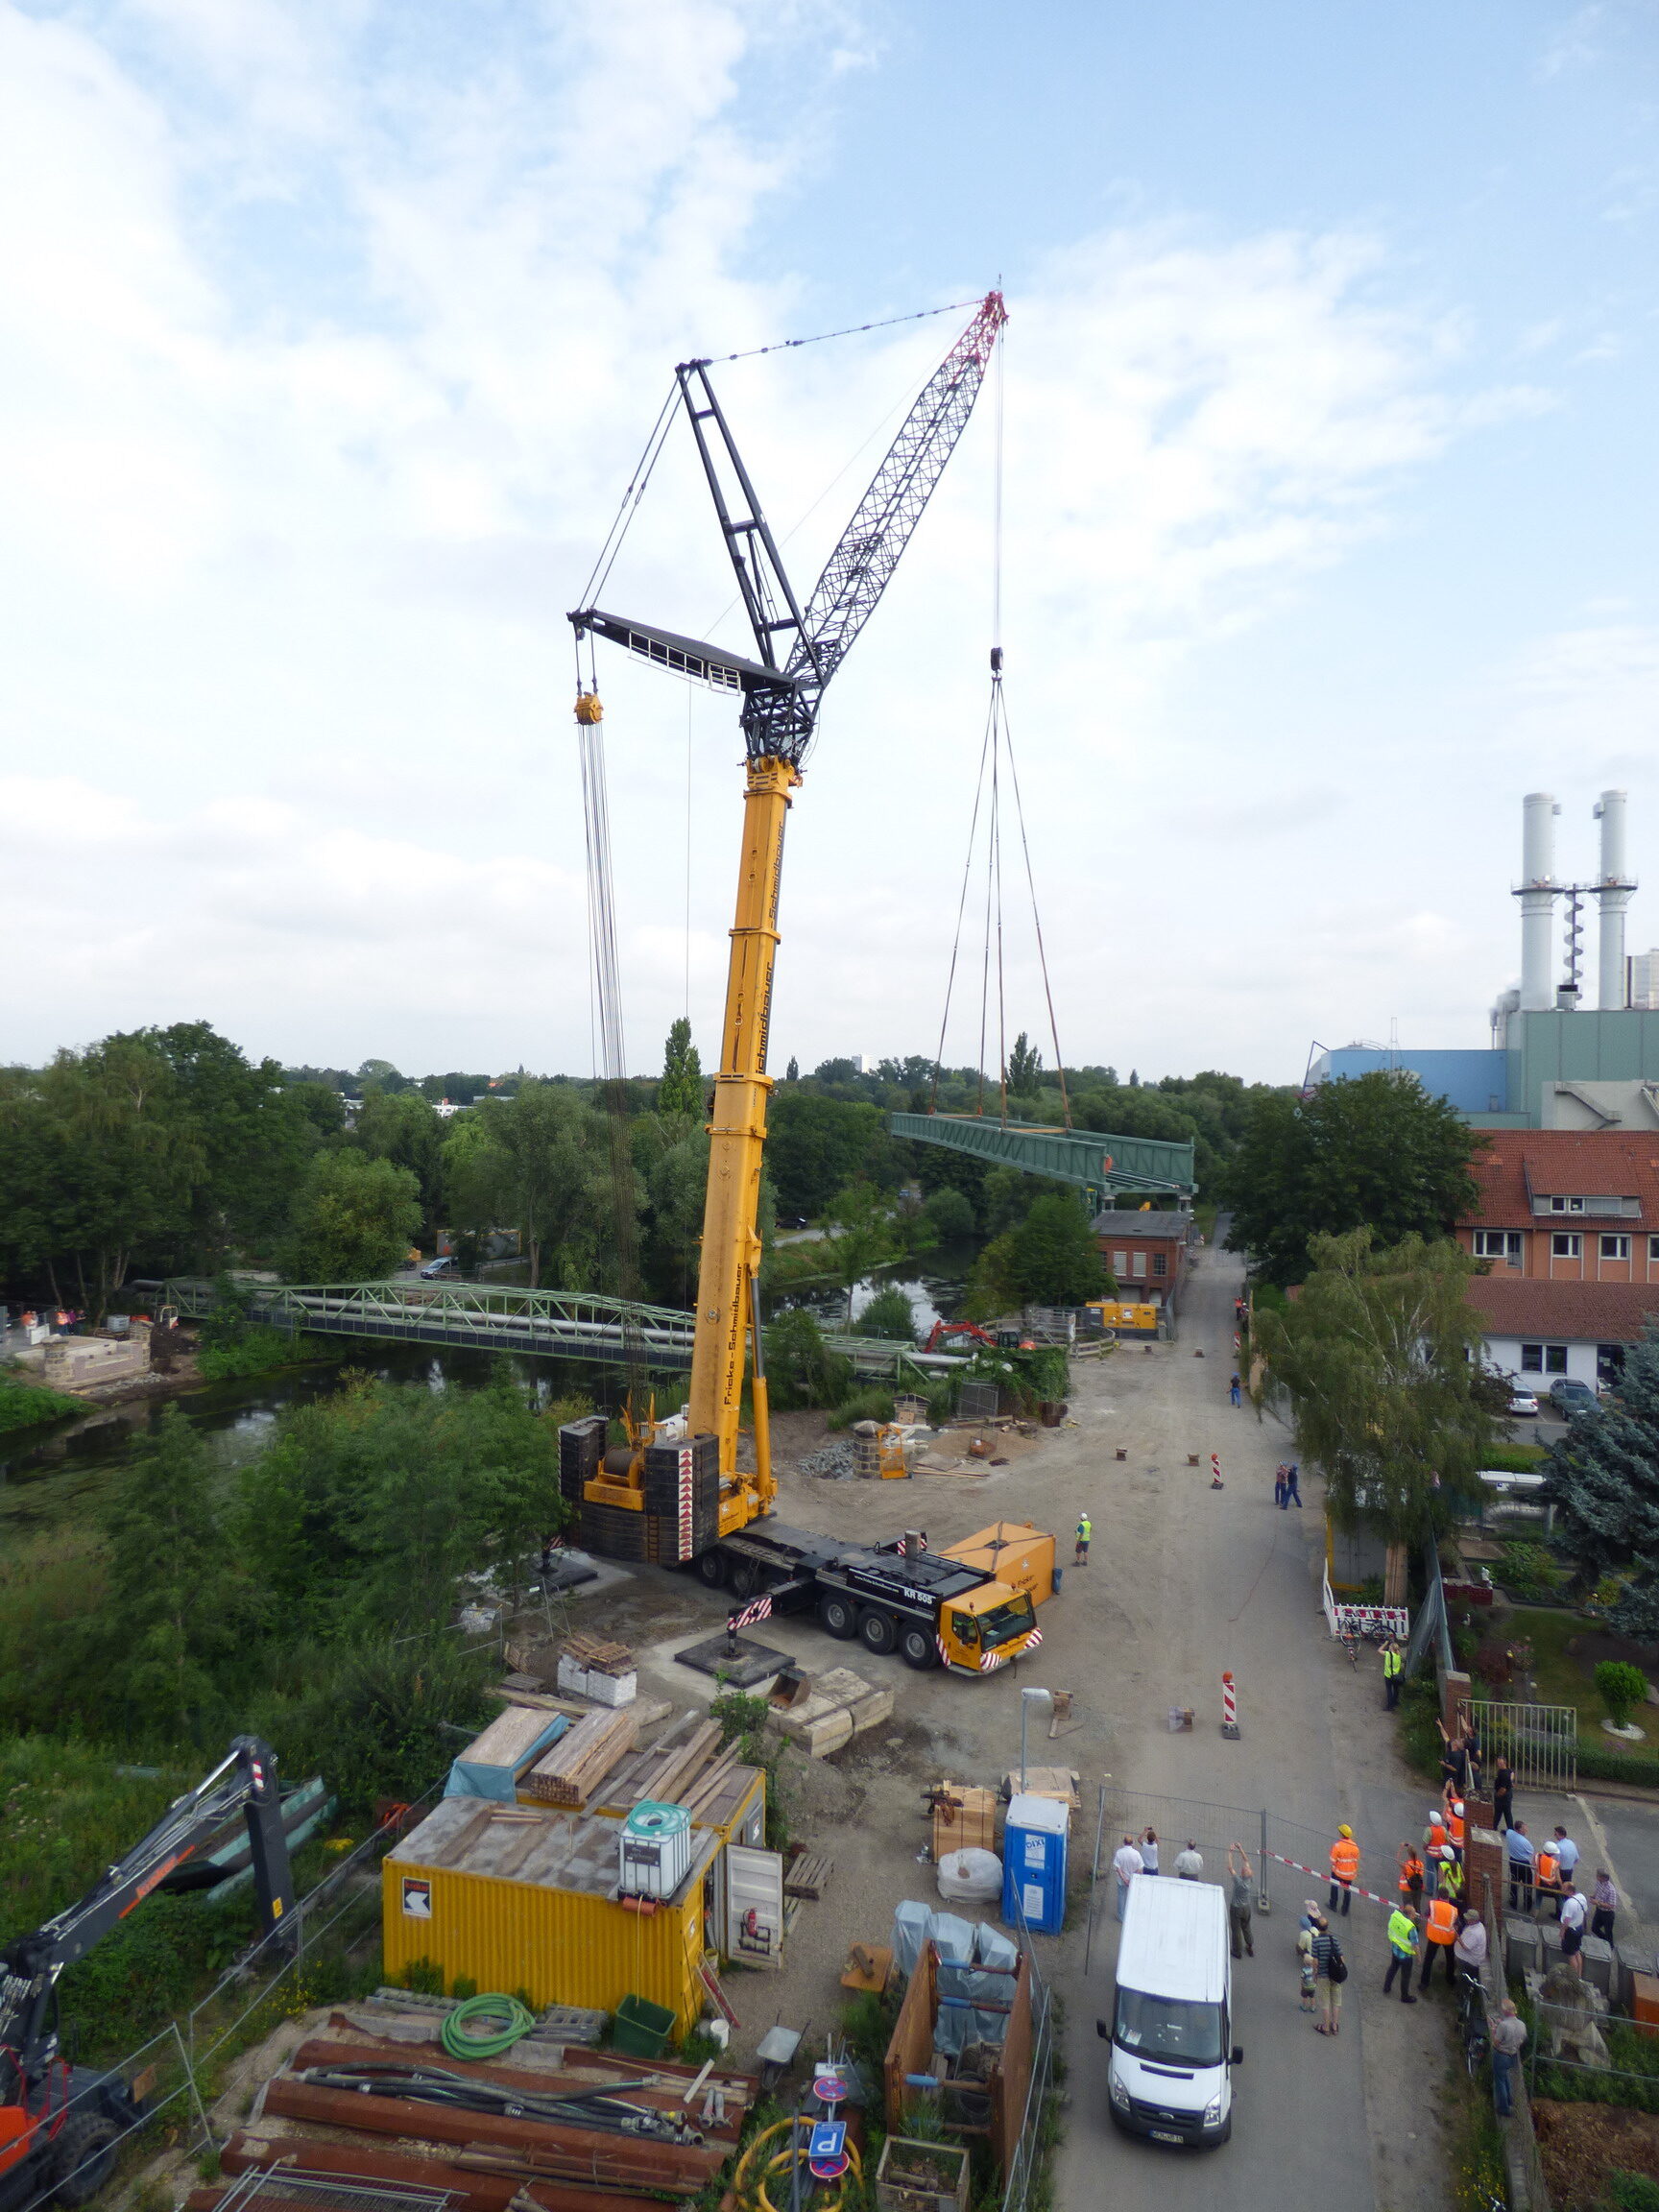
753	1932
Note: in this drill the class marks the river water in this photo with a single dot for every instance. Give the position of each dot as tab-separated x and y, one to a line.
48	1477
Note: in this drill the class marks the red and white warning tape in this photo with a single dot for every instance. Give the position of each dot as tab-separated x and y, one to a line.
1326	1877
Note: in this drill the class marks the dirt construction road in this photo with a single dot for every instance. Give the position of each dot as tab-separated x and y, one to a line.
1183	1583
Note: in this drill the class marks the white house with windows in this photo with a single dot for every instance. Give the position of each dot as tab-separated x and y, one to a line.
1539	1331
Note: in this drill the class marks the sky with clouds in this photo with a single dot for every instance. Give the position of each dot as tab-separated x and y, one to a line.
330	331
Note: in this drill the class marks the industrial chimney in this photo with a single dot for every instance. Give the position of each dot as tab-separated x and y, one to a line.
1538	892
1614	884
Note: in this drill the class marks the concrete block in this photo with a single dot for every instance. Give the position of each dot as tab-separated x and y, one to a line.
1522	1951
1629	1961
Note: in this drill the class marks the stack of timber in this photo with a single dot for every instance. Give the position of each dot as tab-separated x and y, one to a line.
839	1706
672	2132
687	1765
574	1769
963	1818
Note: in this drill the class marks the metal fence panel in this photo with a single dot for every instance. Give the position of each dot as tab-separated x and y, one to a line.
1540	1741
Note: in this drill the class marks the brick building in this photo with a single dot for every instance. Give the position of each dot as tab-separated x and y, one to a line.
1145	1252
1568	1206
1538	1331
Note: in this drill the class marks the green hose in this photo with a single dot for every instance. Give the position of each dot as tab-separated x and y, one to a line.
488	2042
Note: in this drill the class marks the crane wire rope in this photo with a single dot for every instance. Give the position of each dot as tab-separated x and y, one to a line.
852	330
998	742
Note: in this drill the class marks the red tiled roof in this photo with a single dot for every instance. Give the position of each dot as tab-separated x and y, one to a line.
1561	1163
1581	1312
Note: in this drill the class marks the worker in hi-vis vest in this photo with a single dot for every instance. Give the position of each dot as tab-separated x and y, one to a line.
1442	1932
1085	1530
1344	1866
1393	1667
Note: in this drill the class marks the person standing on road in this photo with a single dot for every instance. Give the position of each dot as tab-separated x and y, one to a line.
1188	1866
1234	1391
1503	1794
1148	1850
1239	1898
1126	1863
1442	1934
1522	1858
1508	2041
1344	1868
1605	1899
1393	1667
1470	1948
1572	1914
1403	1943
1454	1762
1331	1969
1567	1853
1308	1970
1279	1485
1085	1533
1292	1495
1410	1877
1435	1850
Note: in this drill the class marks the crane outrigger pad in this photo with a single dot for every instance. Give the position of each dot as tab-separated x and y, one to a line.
739	1659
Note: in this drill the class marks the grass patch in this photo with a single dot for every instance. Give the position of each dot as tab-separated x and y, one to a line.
28	1404
1562	1679
1515	1459
261	1351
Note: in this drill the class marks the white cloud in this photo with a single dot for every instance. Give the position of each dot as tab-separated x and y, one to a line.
325	349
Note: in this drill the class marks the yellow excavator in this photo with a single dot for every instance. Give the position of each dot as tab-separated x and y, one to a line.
676	1492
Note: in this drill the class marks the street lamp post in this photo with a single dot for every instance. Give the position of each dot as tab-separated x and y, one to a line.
1028	1698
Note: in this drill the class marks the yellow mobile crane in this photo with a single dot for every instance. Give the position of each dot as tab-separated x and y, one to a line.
676	1492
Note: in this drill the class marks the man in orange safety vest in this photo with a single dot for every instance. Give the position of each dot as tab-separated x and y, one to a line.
1344	1868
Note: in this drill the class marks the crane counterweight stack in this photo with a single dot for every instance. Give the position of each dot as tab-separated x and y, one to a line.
798	650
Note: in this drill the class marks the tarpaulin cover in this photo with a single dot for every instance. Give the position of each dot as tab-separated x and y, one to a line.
470	1779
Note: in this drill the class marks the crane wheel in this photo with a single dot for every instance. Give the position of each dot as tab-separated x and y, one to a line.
877	1632
711	1570
85	2157
917	1650
838	1616
744	1579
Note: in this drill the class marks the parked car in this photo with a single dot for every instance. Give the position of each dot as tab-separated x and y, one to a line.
1521	1401
1568	1395
444	1264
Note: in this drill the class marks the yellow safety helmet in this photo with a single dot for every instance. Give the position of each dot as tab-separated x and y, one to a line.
1345	1830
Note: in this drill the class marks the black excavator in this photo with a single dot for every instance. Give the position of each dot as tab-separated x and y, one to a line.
60	2124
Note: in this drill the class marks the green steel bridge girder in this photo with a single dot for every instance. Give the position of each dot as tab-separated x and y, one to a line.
547	1324
1089	1160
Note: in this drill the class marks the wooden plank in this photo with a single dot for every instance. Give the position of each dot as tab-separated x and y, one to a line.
809	1876
569	1773
508	1740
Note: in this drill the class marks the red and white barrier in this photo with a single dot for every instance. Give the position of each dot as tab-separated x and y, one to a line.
1229	1708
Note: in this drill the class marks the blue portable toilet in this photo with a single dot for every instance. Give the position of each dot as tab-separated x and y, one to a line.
1034	1863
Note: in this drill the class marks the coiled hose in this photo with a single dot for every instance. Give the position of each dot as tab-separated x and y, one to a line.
463	2041
777	2164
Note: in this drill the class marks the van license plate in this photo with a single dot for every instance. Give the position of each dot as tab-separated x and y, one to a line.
1164	2135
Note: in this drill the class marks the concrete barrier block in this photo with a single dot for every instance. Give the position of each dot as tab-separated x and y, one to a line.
1598	1961
1522	1951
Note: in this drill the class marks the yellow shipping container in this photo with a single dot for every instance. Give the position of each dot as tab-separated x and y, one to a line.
517	1898
737	1814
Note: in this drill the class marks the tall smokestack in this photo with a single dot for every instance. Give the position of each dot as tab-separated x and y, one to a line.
1537	895
1614	884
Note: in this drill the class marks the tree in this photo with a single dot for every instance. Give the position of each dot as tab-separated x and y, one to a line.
1377	1152
543	1164
862	1237
816	1146
1024	1068
405	1127
681	1088
1377	1359
1602	1478
1621	1688
1048	1259
949	1215
352	1219
889	1313
792	1073
177	1605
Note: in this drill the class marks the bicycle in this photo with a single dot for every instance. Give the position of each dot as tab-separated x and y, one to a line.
1472	2025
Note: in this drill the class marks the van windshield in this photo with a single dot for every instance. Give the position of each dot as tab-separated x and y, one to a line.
1171	2029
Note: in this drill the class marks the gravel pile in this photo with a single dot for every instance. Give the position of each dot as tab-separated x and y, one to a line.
832	1461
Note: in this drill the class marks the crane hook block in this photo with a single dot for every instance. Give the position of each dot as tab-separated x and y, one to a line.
587	708
995	659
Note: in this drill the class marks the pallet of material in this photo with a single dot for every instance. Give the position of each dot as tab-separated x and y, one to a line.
508	1740
1061	1782
569	1774
808	1875
840	1706
963	1818
596	1656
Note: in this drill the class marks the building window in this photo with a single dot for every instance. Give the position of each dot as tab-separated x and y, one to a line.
1499	1245
1615	1247
1566	1205
1542	1359
1566	1244
1653	1247
1137	1267
1161	1263
1119	1264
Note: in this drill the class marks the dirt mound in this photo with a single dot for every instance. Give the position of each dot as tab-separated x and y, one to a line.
1581	2144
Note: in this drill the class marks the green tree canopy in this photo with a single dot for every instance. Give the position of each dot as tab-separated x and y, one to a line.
889	1313
816	1146
949	1215
403	1127
863	1236
1602	1478
1025	1066
541	1163
681	1089
1376	1151
353	1218
1049	1259
1376	1358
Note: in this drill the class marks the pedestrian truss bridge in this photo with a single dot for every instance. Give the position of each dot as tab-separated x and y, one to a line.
1098	1165
490	1317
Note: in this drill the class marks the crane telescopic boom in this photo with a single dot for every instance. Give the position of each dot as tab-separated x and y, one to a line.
798	650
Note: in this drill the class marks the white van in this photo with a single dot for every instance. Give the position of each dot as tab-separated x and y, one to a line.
1170	2076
